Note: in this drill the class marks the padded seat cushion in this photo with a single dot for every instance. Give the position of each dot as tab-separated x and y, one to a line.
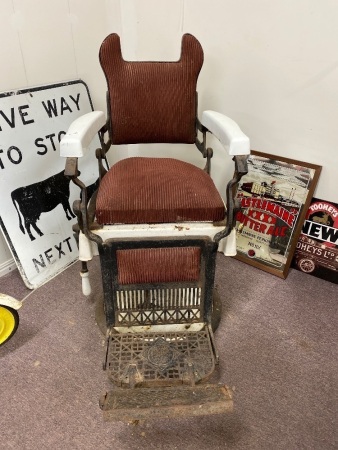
157	190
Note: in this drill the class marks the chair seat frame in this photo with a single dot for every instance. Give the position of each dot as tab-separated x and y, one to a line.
85	211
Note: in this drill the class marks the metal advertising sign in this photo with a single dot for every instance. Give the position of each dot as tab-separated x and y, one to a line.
317	247
273	199
36	215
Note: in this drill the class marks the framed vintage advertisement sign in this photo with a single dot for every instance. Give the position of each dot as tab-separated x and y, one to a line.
273	198
317	247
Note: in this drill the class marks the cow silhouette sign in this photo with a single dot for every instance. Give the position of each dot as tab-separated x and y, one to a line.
35	214
37	198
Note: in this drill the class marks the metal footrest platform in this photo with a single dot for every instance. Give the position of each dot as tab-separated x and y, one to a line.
159	358
151	403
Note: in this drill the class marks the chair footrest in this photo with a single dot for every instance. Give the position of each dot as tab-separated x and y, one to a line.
147	403
148	359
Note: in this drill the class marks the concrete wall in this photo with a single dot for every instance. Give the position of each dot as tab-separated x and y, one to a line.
270	65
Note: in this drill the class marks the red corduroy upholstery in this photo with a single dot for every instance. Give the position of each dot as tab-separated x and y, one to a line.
152	102
157	190
158	265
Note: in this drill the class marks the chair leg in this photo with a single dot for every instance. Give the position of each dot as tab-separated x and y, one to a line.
86	288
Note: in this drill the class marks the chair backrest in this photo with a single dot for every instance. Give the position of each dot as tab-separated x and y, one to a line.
152	102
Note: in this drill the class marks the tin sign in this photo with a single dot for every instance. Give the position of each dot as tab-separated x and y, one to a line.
36	214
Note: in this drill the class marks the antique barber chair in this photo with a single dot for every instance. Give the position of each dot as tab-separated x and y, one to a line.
156	224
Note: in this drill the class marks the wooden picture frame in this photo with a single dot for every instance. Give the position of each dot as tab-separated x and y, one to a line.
274	197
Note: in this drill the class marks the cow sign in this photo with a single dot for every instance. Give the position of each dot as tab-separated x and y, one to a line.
36	216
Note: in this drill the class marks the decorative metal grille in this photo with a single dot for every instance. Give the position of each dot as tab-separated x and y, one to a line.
160	358
158	306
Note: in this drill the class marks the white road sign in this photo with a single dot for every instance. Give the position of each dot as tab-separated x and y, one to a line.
36	199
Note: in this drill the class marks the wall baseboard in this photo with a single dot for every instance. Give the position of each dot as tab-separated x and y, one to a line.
7	267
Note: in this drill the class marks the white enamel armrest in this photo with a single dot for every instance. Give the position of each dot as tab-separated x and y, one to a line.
227	132
80	134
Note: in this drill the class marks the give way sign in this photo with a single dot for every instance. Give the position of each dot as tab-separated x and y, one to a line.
36	214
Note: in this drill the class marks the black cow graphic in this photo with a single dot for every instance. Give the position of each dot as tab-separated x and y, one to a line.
41	197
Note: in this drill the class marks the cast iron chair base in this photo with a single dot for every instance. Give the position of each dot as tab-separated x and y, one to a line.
154	373
215	314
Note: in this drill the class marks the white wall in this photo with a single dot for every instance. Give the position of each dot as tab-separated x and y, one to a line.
270	65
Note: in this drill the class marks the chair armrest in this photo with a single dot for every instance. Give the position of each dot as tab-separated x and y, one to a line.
227	132
80	134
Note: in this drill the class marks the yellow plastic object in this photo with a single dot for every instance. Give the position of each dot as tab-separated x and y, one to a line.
9	322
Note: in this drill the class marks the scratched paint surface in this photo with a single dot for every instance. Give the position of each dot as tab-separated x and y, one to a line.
36	215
